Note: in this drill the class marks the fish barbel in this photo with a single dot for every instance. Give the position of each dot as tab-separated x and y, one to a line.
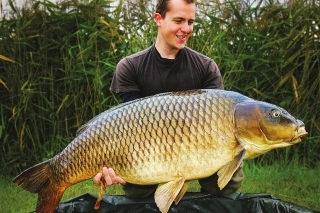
170	138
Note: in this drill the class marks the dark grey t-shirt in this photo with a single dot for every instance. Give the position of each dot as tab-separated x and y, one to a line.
148	73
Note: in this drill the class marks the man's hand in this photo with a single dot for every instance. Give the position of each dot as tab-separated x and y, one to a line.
108	177
103	179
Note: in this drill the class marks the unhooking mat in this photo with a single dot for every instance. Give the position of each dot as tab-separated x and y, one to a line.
192	202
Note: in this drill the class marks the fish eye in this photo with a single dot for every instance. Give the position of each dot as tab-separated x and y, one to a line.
275	113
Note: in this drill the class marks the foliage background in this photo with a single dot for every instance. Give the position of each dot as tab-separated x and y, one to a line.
57	62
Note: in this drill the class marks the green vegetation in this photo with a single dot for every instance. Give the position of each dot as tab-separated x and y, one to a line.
57	61
289	182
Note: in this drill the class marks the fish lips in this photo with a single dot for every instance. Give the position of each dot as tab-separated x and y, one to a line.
299	133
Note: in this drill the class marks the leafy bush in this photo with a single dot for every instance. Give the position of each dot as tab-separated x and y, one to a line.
57	62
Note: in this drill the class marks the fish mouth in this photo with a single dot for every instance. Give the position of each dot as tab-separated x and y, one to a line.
300	132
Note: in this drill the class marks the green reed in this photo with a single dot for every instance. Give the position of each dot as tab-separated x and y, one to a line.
57	62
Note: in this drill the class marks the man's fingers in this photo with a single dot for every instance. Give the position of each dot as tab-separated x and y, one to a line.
115	179
97	179
108	177
120	180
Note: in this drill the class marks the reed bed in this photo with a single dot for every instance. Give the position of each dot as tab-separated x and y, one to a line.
57	61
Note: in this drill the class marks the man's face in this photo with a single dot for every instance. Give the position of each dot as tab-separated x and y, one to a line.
175	29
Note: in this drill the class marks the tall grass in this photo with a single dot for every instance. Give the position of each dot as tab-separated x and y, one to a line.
65	61
57	61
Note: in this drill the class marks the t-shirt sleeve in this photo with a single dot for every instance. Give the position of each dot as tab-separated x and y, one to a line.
212	78
130	96
124	78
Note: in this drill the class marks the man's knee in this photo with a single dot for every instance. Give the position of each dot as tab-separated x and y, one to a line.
139	191
210	184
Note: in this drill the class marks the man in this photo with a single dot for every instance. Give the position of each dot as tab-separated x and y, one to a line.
167	66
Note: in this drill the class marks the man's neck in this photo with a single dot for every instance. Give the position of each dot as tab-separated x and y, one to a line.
166	52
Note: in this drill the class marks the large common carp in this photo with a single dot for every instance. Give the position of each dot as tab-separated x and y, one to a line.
169	138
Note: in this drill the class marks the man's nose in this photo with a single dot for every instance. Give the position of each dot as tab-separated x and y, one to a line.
186	28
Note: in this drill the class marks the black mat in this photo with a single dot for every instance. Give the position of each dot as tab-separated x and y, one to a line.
192	202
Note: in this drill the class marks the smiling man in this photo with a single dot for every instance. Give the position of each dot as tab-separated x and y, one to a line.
167	66
175	25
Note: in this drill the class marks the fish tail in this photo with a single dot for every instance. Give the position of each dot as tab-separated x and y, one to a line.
38	179
49	198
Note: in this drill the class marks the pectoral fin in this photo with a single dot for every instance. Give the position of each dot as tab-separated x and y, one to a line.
182	192
226	172
167	193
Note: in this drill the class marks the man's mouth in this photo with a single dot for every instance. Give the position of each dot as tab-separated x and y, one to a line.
181	36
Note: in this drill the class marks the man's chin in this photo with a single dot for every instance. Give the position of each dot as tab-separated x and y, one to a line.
180	46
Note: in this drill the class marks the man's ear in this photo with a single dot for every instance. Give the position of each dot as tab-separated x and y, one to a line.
157	18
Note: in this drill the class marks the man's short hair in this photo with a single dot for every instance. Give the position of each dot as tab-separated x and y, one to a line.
162	6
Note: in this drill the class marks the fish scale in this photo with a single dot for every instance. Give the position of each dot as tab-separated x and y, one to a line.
158	122
169	138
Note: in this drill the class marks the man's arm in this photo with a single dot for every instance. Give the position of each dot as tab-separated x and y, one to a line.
212	78
130	96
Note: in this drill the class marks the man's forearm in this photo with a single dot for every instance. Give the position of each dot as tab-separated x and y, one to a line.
130	96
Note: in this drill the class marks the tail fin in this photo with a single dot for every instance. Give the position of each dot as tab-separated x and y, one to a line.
38	179
34	178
